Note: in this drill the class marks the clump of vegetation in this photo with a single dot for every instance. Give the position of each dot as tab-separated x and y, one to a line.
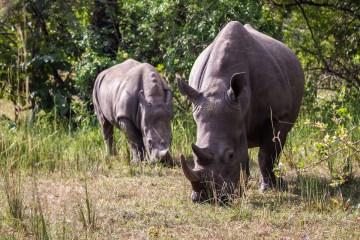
14	195
38	225
87	214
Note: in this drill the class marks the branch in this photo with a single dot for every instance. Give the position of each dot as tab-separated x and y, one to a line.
40	19
57	77
315	4
317	46
312	33
7	34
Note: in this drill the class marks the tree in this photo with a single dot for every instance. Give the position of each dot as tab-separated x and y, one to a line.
42	38
105	27
327	33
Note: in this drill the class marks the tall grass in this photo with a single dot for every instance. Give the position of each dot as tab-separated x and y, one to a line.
56	148
42	147
87	213
14	195
38	224
184	133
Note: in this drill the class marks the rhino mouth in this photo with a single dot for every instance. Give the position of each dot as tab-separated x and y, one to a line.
161	156
204	196
199	197
208	191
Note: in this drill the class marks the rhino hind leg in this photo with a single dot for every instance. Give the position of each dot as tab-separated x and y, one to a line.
108	132
269	154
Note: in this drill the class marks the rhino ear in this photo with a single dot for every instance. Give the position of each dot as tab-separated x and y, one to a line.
238	83
185	89
239	91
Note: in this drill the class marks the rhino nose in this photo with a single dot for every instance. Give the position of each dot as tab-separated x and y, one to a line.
196	197
199	197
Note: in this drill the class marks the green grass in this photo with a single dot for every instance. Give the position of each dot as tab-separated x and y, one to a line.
58	184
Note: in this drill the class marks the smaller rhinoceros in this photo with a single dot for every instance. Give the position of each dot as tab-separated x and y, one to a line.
134	97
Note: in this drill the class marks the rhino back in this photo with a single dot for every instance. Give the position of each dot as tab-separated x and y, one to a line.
199	67
116	90
223	57
289	67
109	85
153	85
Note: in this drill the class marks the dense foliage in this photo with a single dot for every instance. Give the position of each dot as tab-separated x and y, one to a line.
51	51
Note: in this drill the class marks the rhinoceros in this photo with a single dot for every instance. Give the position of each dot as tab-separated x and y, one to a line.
246	90
134	97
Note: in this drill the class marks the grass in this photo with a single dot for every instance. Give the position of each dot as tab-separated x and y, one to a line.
58	184
87	214
153	206
14	196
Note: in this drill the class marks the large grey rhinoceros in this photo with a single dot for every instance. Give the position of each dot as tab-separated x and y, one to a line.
246	89
134	97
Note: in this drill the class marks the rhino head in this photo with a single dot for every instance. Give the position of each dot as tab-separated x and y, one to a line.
155	122
220	152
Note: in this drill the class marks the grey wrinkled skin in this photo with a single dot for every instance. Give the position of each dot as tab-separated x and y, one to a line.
246	89
133	97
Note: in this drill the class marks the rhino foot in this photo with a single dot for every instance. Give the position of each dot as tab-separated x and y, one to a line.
280	185
264	187
136	158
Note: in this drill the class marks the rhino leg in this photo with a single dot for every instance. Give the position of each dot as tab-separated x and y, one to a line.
269	153
108	132
135	140
245	164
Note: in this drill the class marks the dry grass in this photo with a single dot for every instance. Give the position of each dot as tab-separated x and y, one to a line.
7	109
154	204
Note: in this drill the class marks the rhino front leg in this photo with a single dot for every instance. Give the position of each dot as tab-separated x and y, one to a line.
108	132
135	140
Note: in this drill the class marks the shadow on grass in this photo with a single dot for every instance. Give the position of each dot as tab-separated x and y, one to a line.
351	190
311	192
310	186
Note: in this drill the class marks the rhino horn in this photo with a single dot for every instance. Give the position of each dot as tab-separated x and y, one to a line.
204	157
190	174
185	89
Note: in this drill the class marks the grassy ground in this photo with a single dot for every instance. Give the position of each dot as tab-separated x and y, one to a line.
57	184
155	204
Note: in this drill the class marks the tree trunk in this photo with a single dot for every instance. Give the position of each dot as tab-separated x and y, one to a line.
105	27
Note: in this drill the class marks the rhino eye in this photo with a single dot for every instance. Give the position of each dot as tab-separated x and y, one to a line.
229	156
150	142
